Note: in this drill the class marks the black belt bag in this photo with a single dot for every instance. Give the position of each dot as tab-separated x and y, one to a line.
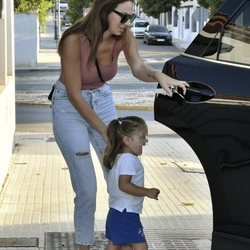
51	93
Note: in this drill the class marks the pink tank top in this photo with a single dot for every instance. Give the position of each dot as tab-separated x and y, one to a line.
89	75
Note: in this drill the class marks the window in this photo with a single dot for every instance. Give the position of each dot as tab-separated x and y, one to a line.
158	28
141	24
235	45
175	18
187	19
169	17
225	39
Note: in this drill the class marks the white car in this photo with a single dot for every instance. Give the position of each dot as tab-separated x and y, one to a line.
138	27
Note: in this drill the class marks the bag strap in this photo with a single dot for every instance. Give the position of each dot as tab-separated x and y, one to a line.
98	70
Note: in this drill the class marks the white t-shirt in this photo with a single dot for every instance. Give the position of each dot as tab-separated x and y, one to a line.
125	164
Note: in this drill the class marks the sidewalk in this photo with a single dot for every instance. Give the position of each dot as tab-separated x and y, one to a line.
37	198
36	202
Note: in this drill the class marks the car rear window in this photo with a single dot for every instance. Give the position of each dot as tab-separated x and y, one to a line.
141	24
158	29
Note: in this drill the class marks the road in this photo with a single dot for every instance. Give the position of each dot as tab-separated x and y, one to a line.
37	119
154	55
32	87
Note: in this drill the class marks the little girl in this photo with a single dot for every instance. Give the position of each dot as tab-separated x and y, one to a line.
126	136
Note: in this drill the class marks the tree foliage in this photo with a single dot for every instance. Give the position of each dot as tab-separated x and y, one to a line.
75	10
39	6
212	5
155	7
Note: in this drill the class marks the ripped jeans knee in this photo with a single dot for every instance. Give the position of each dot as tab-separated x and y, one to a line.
82	153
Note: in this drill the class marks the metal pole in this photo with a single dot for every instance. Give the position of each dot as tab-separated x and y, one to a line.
55	30
58	20
1	9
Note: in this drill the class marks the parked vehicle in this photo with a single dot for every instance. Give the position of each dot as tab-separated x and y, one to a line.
214	116
157	34
138	27
63	4
65	23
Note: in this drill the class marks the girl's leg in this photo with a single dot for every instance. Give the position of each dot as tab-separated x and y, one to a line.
136	246
126	247
140	246
110	246
83	247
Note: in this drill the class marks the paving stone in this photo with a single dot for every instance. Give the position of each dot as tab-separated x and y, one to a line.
19	242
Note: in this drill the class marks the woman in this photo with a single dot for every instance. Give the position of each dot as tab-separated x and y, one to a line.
82	102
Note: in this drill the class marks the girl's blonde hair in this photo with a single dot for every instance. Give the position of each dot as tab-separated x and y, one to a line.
94	24
117	129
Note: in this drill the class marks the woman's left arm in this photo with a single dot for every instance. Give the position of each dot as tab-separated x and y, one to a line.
144	72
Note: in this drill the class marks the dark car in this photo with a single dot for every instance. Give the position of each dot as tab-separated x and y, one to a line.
214	116
157	34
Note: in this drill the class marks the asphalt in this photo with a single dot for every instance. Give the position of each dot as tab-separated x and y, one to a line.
36	201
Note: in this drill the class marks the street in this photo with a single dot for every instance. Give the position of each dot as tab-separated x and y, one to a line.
154	55
33	86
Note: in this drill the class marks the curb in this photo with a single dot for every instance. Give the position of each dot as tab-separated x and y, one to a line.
118	107
48	68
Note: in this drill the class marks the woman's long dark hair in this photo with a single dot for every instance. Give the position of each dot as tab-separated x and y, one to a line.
117	129
94	24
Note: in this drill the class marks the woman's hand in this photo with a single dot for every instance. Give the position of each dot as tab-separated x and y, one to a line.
104	136
168	83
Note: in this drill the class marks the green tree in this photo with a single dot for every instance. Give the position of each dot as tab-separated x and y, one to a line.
39	6
155	7
75	10
212	5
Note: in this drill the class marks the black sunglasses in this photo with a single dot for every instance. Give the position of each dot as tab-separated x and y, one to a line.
125	17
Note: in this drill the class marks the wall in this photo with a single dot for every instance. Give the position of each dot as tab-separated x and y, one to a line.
26	40
185	22
7	88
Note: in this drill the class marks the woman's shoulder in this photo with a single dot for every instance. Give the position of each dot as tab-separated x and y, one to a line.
75	39
72	38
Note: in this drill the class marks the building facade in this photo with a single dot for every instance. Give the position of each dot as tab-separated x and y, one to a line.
7	86
185	22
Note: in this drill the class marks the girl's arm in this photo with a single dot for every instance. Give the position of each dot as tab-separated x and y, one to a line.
128	187
144	72
71	72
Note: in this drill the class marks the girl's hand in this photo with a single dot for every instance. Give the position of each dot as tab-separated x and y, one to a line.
153	193
168	83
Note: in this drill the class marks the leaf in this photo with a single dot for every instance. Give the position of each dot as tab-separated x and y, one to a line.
187	204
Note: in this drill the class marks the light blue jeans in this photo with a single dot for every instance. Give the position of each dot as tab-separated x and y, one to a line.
73	135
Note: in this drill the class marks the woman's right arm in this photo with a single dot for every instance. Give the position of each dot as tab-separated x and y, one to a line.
71	72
